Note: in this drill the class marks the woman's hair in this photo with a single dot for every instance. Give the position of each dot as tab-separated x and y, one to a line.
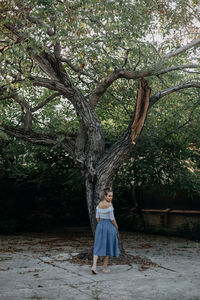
106	191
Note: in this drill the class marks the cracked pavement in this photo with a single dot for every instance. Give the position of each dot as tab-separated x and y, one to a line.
38	266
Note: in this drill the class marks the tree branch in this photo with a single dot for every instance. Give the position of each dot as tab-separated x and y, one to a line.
26	110
47	83
120	73
126	57
113	158
170	90
109	79
20	36
50	64
189	120
178	67
40	139
7	97
26	13
44	102
78	69
35	20
60	82
182	49
52	67
33	137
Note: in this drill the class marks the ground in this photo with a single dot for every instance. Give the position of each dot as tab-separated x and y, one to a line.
46	266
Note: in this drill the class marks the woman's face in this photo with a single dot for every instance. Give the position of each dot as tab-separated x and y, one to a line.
108	197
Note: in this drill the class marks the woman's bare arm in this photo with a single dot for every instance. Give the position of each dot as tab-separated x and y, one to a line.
115	223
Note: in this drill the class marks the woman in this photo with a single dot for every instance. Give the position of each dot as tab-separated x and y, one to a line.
106	241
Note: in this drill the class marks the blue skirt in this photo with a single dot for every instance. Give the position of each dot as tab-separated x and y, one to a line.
106	241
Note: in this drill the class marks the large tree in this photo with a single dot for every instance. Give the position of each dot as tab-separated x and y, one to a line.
79	55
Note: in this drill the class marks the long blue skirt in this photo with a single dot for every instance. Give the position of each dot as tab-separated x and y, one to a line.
106	241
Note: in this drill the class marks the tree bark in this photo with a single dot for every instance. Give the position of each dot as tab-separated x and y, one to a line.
100	166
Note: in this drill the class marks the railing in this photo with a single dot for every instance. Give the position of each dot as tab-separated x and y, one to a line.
170	218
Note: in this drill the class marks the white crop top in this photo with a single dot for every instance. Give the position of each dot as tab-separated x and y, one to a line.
105	213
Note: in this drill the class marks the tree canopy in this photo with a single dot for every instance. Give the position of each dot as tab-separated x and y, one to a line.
99	44
70	72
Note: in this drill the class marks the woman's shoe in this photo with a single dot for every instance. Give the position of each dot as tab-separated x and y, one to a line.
94	270
106	270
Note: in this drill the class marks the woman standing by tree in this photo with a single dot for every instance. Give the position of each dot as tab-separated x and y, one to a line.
106	241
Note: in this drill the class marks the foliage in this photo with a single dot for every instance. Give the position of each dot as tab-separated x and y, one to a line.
94	37
70	67
167	153
39	187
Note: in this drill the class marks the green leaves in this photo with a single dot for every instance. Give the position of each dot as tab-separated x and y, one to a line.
94	36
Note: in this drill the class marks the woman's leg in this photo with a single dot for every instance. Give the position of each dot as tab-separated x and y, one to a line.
95	258
105	262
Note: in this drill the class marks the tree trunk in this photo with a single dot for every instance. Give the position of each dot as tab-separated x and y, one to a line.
91	204
94	195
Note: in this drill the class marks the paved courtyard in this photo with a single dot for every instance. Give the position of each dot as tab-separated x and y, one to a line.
38	266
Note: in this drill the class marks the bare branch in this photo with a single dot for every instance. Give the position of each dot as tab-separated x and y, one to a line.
47	83
20	36
170	90
121	102
35	20
40	139
52	67
178	67
182	49
57	50
126	57
189	120
26	110
35	138
120	73
7	97
78	69
44	102
64	59
46	61
138	61
109	79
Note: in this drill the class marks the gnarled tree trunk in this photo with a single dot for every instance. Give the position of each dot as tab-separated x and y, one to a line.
106	164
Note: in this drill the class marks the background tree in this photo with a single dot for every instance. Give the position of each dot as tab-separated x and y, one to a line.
79	55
